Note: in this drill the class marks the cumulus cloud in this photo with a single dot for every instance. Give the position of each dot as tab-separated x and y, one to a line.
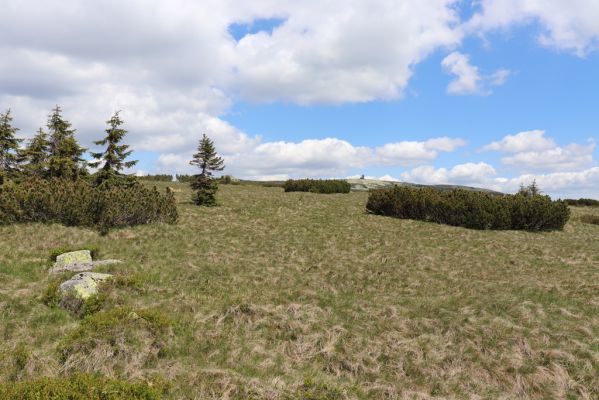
467	79
534	140
340	51
329	157
463	174
408	153
566	25
532	150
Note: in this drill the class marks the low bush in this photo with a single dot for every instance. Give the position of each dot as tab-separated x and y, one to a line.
475	210
317	185
80	387
156	178
590	219
185	178
77	203
582	202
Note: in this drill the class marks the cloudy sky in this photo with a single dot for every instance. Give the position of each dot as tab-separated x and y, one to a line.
490	93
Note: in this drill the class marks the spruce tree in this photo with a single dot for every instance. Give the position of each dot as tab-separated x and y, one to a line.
9	146
204	184
65	158
114	157
34	156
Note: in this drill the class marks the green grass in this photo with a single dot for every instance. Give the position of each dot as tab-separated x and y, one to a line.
299	295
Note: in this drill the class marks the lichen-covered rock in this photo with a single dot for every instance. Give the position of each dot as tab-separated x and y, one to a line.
80	267
73	257
83	285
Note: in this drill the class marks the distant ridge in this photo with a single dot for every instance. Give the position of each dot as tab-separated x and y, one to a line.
364	185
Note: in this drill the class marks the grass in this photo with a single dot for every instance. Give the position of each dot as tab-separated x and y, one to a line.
298	295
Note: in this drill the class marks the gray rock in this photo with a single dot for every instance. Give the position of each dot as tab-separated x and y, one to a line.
83	285
79	266
73	257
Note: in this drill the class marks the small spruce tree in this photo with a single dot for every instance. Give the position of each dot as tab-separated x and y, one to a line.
204	185
65	154
34	157
9	146
115	155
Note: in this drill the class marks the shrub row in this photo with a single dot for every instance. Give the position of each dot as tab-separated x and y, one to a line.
77	203
583	202
156	178
469	209
317	185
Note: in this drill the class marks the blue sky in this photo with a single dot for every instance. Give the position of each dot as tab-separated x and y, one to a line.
491	93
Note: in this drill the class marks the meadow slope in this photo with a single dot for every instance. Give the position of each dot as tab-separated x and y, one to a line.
299	295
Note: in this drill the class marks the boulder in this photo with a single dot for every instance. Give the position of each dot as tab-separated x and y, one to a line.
78	261
73	257
83	285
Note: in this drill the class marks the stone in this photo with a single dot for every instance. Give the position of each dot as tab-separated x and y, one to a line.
83	285
78	261
73	257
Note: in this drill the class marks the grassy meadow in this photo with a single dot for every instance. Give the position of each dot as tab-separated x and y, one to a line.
277	295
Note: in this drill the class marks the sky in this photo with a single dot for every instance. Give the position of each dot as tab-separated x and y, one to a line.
488	93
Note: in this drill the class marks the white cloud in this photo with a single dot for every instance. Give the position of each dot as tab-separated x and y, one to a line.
569	158
340	51
463	174
567	25
467	77
534	140
330	157
533	151
408	153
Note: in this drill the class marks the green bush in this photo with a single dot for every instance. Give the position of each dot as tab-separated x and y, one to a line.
475	210
156	178
582	202
77	203
185	178
205	188
317	185
79	387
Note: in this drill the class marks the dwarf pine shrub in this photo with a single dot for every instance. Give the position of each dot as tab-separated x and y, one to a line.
475	210
77	203
317	185
582	202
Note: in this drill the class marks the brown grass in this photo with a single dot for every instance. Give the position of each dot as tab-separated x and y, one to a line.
296	295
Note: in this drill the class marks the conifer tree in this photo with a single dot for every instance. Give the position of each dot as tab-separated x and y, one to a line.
9	146
34	156
204	184
114	157
65	158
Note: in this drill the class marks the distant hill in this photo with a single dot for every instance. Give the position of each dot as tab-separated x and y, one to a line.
363	185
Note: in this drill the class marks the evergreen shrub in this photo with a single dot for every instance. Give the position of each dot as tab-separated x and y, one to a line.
469	209
156	178
77	203
317	185
582	202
